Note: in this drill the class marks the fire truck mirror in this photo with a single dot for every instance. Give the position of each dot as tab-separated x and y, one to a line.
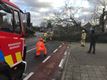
28	19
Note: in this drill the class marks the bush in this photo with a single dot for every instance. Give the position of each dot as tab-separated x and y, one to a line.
102	37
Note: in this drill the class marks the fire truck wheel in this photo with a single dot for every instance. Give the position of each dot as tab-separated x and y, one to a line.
5	71
19	70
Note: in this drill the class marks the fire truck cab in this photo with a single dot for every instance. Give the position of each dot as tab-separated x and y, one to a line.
12	43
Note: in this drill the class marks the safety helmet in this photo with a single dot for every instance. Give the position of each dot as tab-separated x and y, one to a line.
83	30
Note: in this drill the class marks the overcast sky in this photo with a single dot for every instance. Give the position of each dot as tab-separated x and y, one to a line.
41	9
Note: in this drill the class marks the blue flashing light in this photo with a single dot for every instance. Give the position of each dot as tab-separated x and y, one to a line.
1	56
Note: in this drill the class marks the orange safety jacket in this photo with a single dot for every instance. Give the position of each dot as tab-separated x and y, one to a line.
40	46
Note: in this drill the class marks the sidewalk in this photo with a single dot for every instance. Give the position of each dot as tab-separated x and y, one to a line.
80	65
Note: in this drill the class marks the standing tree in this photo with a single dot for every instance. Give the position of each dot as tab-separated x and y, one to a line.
101	5
49	24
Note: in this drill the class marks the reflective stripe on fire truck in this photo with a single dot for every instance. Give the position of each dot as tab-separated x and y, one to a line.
18	56
10	61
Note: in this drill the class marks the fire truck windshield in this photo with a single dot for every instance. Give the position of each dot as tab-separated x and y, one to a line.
9	19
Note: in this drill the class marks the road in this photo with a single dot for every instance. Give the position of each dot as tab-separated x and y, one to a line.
33	61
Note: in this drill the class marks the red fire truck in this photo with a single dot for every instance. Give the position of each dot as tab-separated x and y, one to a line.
12	44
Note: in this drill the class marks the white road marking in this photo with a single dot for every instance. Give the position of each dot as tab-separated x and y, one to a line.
46	59
61	63
55	50
28	76
60	46
69	53
31	50
65	53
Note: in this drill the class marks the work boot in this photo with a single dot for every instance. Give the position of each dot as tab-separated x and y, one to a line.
37	55
93	52
45	55
82	45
